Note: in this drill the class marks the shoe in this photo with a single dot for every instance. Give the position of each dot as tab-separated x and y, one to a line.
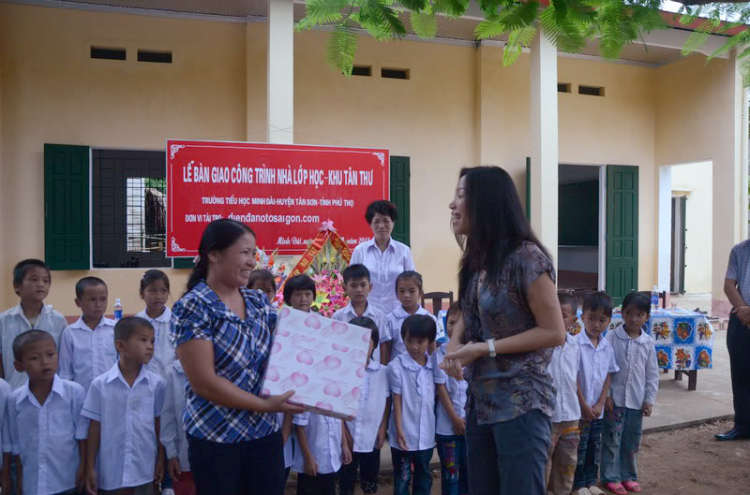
595	490
733	434
582	491
167	491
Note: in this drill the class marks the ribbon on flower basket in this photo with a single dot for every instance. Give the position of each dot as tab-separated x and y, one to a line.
325	233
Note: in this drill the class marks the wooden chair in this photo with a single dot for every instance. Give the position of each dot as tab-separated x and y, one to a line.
662	298
437	300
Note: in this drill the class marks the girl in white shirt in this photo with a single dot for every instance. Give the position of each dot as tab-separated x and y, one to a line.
154	291
366	434
409	291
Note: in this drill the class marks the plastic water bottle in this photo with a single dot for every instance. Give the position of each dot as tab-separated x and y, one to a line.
654	299
118	310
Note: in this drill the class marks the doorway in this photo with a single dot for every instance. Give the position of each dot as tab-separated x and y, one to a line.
677	277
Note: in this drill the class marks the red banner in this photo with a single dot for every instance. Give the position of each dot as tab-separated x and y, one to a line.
284	192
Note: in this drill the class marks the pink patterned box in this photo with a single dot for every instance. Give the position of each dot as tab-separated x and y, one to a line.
322	360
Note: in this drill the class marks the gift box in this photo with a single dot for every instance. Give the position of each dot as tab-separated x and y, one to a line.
322	360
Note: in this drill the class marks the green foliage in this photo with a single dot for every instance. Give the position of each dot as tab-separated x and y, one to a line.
424	24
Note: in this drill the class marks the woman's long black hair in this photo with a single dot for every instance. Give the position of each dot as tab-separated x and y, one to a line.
497	224
218	235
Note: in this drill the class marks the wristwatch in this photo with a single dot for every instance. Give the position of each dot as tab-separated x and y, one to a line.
491	345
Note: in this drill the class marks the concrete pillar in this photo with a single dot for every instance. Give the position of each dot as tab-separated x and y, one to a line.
544	142
281	71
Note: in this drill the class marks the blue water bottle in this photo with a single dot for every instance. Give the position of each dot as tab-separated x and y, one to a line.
654	299
118	310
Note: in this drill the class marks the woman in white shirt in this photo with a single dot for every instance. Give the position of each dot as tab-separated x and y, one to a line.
385	257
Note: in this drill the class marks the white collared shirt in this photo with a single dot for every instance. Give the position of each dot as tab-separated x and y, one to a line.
456	391
637	382
384	267
164	353
127	446
86	354
172	427
347	314
596	364
416	386
372	399
13	323
46	436
393	324
323	435
564	368
6	442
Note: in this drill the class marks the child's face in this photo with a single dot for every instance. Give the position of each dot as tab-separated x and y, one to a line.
39	360
358	289
568	315
634	318
265	288
302	300
596	322
453	319
408	293
35	285
416	346
93	302
139	347
156	295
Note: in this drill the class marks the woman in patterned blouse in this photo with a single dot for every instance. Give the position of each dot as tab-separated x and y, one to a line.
222	331
511	320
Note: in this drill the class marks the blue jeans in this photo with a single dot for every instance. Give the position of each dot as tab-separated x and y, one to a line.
510	457
589	454
623	429
402	476
452	452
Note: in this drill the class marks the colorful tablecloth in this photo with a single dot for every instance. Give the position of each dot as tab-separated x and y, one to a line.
684	340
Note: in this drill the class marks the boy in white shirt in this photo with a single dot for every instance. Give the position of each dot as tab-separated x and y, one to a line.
322	448
172	434
46	427
563	368
631	395
358	287
366	434
411	432
124	406
409	292
31	282
597	365
87	346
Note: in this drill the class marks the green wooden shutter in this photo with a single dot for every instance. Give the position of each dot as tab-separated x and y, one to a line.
622	231
528	188
400	178
66	207
183	263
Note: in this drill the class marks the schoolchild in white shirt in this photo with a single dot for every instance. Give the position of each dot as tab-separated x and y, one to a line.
597	365
409	292
31	282
46	427
366	434
631	395
358	288
322	451
172	431
563	368
411	430
87	347
264	281
124	406
6	392
154	291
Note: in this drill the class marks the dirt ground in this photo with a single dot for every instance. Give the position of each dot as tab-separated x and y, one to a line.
680	462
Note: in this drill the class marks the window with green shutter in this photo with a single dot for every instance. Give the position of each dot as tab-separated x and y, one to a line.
400	178
66	207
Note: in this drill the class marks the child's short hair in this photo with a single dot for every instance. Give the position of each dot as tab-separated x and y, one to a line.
298	282
152	276
22	341
598	301
365	322
638	299
263	277
454	308
126	327
419	327
410	275
23	267
567	299
355	271
87	282
384	208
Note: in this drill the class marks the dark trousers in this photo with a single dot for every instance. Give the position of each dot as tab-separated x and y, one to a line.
368	465
509	457
403	460
738	343
322	484
255	467
589	454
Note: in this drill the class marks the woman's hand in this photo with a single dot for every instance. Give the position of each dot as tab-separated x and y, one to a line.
455	361
278	403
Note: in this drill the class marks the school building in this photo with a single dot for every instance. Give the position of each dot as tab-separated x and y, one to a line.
91	89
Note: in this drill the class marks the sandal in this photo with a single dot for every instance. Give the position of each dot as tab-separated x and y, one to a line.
616	488
632	486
